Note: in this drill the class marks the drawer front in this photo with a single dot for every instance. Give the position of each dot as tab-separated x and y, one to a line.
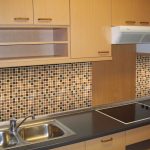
137	135
111	142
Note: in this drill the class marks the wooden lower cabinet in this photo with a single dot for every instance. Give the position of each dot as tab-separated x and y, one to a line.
116	141
112	142
137	135
78	146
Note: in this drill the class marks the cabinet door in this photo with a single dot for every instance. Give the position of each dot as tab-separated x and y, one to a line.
137	135
122	12
142	12
53	12
16	12
90	28
78	146
112	142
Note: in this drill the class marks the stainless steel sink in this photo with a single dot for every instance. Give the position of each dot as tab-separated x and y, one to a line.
32	132
43	131
40	132
7	139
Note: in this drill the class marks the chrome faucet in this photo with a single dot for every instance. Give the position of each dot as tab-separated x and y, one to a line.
13	123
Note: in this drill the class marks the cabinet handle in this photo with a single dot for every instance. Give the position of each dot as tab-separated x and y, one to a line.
103	52
107	140
45	19
130	22
144	23
21	19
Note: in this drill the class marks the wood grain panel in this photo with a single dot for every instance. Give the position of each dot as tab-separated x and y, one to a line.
114	81
16	12
137	135
122	12
90	28
110	142
51	12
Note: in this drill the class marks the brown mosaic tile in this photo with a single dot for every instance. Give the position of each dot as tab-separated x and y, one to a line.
44	89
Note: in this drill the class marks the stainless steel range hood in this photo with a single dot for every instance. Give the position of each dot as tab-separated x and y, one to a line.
131	35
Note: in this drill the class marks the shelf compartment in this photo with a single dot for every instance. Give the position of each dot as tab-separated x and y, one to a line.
28	51
28	35
34	42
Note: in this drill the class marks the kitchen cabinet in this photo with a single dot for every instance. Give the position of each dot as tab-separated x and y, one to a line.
142	12
112	142
90	28
34	45
130	12
16	12
53	12
122	12
42	42
137	135
78	146
46	12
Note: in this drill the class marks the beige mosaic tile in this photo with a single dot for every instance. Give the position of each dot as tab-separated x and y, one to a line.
44	89
142	76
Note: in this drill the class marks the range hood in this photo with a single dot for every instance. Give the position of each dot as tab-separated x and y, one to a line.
131	35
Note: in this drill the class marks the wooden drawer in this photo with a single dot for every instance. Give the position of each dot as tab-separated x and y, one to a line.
137	135
111	142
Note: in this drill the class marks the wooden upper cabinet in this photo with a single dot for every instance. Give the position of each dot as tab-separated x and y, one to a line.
122	12
142	12
53	12
90	28
130	12
16	12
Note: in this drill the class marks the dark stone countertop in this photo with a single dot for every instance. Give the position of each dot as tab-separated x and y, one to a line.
87	125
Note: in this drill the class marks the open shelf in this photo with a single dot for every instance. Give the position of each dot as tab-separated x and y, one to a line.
33	43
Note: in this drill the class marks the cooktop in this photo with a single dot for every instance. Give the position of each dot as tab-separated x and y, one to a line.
128	113
146	102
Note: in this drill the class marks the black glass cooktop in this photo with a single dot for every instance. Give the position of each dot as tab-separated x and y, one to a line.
146	102
128	113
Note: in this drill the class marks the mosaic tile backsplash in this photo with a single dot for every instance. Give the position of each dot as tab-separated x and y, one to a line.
142	76
46	89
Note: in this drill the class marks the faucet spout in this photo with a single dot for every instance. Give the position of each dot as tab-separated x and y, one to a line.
13	123
30	116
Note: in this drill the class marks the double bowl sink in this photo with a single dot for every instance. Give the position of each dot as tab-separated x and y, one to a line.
34	132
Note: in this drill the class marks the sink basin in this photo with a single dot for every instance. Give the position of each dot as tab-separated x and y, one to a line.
43	131
7	139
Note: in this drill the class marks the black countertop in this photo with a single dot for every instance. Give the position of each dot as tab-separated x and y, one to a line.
144	145
87	125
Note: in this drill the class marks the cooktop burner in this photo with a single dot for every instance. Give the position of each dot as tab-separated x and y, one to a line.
128	113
